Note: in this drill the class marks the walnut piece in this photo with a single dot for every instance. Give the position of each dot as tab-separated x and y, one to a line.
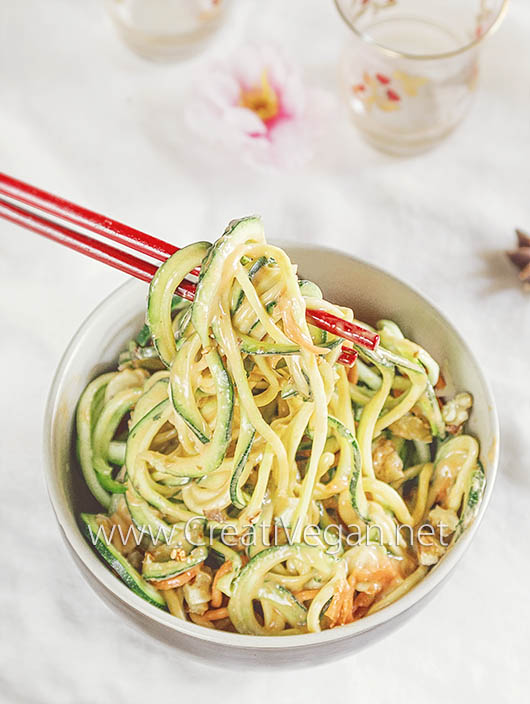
456	412
198	592
444	521
388	466
430	550
412	427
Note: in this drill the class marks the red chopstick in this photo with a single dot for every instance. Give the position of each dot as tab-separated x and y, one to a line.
342	328
88	219
106	253
62	209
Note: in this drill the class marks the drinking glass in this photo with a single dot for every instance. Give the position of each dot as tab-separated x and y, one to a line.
167	29
410	68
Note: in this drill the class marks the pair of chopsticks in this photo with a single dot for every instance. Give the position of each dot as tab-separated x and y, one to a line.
23	204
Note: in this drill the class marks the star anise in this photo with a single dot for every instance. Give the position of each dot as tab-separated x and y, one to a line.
521	257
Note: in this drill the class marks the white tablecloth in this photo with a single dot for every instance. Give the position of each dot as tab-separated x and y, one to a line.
83	117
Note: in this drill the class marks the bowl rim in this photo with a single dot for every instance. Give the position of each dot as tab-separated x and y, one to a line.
102	574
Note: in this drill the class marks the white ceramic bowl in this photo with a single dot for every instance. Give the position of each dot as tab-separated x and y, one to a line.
373	294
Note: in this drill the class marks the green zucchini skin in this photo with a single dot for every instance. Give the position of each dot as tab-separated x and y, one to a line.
245	439
146	427
172	272
218	446
472	501
160	571
87	413
432	411
238	232
213	453
367	376
249	581
146	518
226	553
285	602
117	452
393	339
157	393
117	562
270	306
358	499
181	393
239	295
250	345
137	356
219	549
105	428
159	302
309	289
144	335
141	497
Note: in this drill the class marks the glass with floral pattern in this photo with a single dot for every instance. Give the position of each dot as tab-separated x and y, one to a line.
410	67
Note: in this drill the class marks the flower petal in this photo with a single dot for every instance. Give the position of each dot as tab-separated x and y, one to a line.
244	120
277	67
293	96
221	88
247	66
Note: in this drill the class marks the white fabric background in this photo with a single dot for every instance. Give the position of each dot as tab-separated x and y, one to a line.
83	117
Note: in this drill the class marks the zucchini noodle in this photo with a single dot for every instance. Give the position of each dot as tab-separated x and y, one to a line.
250	482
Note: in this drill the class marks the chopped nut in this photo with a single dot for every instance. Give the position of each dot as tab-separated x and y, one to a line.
444	520
412	427
215	515
387	463
430	551
147	559
453	429
198	592
456	412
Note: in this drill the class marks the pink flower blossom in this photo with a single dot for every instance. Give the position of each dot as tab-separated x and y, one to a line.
256	104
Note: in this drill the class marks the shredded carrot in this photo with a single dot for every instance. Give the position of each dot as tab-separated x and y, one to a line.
346	611
440	384
353	374
216	614
333	612
293	331
178	581
341	609
217	594
361	604
306	594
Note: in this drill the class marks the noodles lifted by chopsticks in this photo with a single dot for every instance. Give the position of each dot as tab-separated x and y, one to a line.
249	481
